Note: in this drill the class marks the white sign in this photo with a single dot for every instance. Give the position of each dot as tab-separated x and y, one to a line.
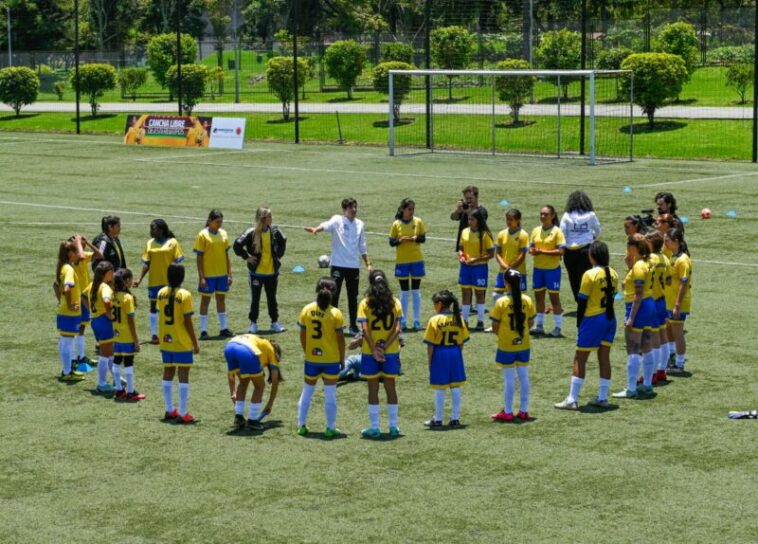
227	132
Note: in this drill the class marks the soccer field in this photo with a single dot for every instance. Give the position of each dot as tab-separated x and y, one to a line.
83	468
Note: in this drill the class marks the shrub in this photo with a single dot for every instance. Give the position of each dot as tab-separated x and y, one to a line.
94	80
451	50
280	74
161	55
18	87
130	80
658	77
515	91
397	51
560	50
611	59
59	87
194	77
740	78
680	39
401	84
215	80
344	62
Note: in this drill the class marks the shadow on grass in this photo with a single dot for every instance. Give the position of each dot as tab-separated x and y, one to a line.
658	126
107	396
342	99
398	122
515	422
446	428
247	433
285	121
587	409
98	117
385	437
684	374
554	100
684	102
13	117
569	314
320	436
520	124
453	100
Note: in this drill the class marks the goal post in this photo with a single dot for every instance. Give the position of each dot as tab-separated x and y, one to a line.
522	112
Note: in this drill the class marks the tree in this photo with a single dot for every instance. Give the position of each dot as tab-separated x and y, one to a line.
451	50
280	74
215	80
611	59
194	77
397	51
220	22
37	25
515	90
560	50
111	21
658	77
740	77
401	84
161	55
344	62
94	80
160	17
130	80
18	87
680	39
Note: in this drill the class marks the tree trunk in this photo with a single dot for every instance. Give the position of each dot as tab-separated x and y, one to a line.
396	112
514	114
349	93
449	88
650	118
286	111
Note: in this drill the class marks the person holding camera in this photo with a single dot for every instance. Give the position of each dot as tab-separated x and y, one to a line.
262	246
580	227
464	207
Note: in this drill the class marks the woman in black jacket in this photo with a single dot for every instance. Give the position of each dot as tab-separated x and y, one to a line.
262	246
108	243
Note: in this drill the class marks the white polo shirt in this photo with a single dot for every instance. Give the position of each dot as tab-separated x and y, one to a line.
580	228
348	241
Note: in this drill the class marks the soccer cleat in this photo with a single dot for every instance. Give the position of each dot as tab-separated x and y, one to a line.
86	361
120	395
253	328
566	404
105	389
433	423
677	371
625	394
537	330
187	419
352	332
479	326
597	403
154	340
204	336
523	416
71	377
555	333
330	433
225	333
254	425
303	430
371	432
277	327
454	423
171	416
239	422
661	376
749	414
134	396
644	389
502	415
394	432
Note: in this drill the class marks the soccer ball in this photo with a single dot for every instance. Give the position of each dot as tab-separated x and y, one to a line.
323	261
705	213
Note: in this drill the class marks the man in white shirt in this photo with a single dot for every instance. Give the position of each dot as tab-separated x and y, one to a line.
348	248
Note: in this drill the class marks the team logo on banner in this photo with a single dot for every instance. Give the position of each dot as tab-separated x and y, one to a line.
169	131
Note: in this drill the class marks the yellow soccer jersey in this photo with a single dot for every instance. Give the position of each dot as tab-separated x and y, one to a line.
407	252
441	330
471	246
266	264
512	244
67	276
549	239
321	326
213	247
380	328
123	308
159	255
640	274
97	302
661	272
594	289
171	330
260	346
682	274
82	269
508	338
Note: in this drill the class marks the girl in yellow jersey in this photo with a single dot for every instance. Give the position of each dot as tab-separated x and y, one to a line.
663	223
477	247
125	331
214	272
681	289
639	316
546	245
510	251
69	294
162	250
82	268
661	276
178	342
406	236
100	302
596	321
322	337
512	317
379	316
445	335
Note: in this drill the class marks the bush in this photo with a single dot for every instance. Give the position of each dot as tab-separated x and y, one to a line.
515	91
18	87
94	80
344	62
59	87
611	59
560	50
280	74
401	84
731	54
396	51
215	80
493	47
194	77
130	80
161	55
451	50
740	77
680	39
658	77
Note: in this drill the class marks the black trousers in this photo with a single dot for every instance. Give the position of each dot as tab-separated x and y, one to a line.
258	284
577	262
350	276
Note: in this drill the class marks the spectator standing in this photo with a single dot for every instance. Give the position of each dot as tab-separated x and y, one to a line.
580	227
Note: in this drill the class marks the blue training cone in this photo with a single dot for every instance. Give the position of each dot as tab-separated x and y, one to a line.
298	269
617	297
684	219
627	189
504	202
731	214
83	367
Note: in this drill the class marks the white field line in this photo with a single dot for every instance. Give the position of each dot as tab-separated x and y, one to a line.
695	180
201	219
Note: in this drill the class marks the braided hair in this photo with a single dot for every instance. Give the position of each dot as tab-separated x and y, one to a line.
513	280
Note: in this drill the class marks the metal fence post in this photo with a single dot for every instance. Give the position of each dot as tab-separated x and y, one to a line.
494	118
755	87
593	149
392	113
76	67
558	94
179	55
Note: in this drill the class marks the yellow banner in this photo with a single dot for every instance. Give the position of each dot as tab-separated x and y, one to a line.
165	130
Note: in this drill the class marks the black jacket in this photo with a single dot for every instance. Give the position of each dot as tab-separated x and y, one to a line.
107	247
243	247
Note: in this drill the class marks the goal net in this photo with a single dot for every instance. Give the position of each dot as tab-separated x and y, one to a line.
553	113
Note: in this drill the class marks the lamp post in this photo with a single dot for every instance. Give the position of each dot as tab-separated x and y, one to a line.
8	18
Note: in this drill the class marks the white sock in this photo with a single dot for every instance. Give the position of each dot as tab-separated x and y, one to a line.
203	323
111	365
648	368
102	370
184	389
539	320
509	388
81	342
480	311
129	371
680	360
392	410
558	320
168	394
66	351
439	404
404	297
416	293
605	386
117	377
672	347
330	406
455	411
254	412
576	389
664	354
304	404
373	415
153	324
465	311
222	321
632	371
239	407
525	385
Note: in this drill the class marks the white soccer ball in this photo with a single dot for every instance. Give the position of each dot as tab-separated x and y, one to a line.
323	261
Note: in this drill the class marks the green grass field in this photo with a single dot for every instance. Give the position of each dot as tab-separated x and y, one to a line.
82	468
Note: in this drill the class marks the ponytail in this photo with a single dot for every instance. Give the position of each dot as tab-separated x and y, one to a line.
513	279
63	250
325	289
379	295
102	268
448	300
175	276
600	254
678	236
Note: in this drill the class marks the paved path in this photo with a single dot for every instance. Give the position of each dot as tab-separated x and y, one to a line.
602	110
